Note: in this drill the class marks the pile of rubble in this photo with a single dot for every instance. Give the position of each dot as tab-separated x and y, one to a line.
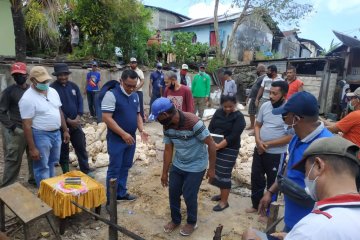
96	147
242	169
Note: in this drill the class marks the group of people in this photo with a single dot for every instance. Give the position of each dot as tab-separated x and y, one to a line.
42	118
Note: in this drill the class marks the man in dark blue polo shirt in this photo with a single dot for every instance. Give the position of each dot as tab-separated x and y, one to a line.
72	107
121	114
157	84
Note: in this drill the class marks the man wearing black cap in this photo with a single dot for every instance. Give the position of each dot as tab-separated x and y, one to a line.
330	166
72	107
301	113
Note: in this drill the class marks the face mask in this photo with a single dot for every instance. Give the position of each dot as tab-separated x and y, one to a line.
159	69
172	86
269	75
20	79
123	90
42	86
166	122
278	103
310	186
201	73
351	107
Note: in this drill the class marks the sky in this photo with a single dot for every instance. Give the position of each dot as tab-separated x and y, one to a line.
328	15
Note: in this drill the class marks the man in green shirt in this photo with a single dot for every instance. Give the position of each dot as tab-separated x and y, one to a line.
200	88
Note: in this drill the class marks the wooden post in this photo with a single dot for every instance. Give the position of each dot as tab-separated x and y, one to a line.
273	215
217	232
2	216
113	233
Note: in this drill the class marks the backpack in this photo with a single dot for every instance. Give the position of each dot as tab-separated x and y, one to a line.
106	87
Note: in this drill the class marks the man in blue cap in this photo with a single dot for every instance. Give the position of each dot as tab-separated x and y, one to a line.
93	85
72	107
301	113
189	136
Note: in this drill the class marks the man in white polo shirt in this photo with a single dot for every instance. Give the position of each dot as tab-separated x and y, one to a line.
42	118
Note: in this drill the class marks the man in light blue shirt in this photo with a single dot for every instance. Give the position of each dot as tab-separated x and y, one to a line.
194	150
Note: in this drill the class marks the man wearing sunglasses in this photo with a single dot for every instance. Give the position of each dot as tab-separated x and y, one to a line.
40	109
121	113
300	112
13	134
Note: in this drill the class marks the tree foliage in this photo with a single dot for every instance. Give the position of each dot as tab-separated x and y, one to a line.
284	11
185	50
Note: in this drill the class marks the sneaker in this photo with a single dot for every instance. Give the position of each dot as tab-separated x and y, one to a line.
127	197
188	229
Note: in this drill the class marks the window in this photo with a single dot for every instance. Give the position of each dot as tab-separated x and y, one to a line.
212	39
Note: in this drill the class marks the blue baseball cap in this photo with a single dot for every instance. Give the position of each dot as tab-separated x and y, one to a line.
160	105
301	104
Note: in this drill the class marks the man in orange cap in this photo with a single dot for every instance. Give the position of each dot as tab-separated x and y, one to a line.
13	134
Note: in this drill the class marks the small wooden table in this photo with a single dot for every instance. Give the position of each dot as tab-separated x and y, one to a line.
25	205
61	202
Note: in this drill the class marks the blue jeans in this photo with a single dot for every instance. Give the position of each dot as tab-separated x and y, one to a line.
188	185
49	145
91	102
121	157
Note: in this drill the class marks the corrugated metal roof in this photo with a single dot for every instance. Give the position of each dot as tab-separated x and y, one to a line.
347	40
204	21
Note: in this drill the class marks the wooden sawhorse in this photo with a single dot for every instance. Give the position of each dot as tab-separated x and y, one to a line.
25	205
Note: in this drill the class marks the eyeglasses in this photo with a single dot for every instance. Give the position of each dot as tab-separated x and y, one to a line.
129	86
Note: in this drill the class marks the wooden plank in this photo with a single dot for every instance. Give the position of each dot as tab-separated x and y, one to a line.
23	203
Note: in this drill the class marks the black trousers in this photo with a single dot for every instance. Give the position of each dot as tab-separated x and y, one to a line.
265	164
78	140
141	102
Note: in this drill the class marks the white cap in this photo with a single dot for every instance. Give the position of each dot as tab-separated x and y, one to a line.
184	66
133	59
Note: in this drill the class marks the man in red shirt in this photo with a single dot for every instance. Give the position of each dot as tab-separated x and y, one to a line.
349	126
179	94
295	85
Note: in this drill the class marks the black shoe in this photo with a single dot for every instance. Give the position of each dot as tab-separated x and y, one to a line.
32	182
218	208
216	198
127	197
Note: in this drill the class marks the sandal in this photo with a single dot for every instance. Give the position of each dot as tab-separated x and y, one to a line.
216	198
219	208
170	226
188	229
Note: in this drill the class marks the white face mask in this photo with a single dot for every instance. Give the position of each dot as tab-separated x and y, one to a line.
310	185
123	90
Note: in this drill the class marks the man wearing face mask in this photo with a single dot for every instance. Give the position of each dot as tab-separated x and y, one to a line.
72	107
157	84
200	88
330	166
264	91
121	113
13	134
42	117
195	150
271	144
300	112
252	109
179	94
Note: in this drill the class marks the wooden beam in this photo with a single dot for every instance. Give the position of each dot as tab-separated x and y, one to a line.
113	233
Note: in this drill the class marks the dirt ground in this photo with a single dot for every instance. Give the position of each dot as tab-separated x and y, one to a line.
147	215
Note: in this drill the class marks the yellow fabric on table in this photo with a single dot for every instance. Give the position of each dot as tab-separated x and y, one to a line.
60	202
